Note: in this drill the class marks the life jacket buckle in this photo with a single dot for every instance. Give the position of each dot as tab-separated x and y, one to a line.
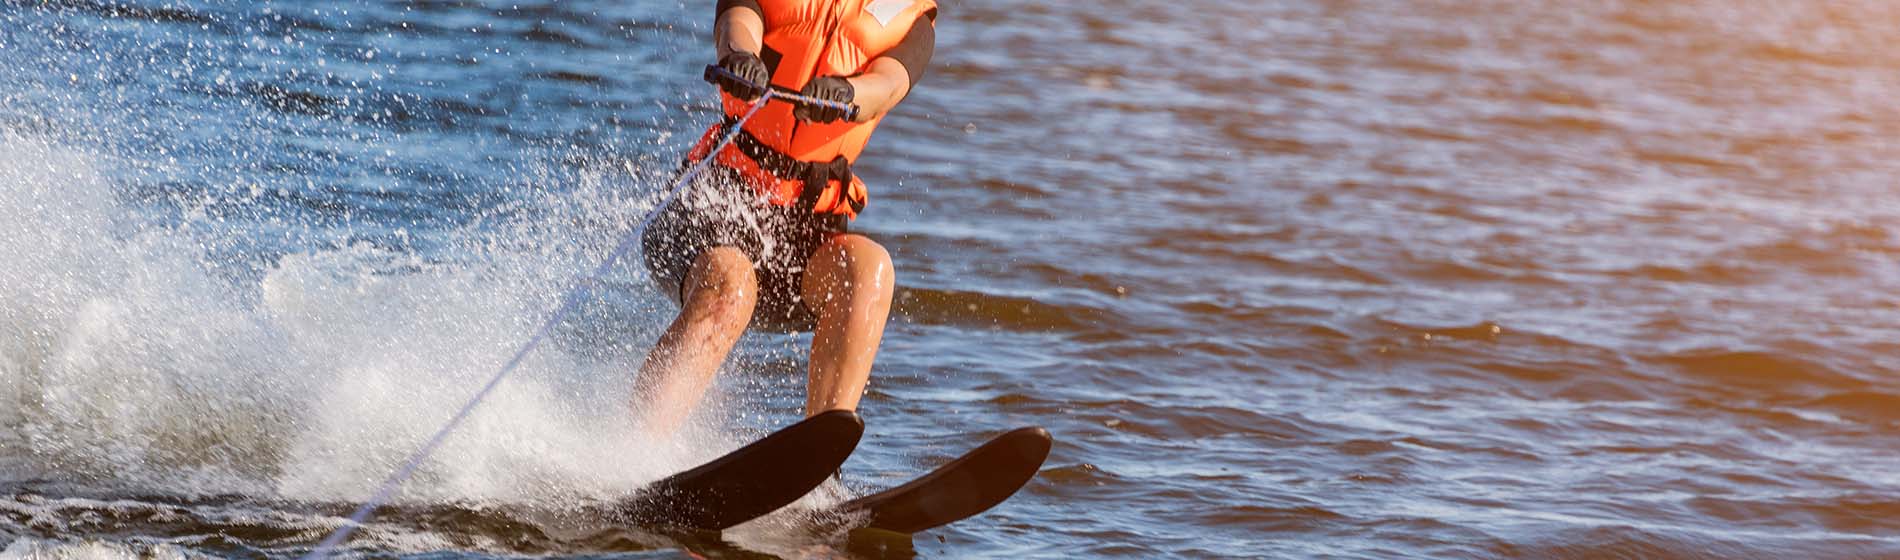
817	178
778	168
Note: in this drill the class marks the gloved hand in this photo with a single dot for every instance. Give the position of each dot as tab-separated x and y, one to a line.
828	88
747	66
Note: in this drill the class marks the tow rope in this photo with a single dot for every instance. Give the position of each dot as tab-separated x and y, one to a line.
568	303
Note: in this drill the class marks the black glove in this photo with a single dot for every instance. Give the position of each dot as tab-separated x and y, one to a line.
828	88
748	67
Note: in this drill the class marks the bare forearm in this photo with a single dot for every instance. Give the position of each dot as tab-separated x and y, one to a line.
888	79
740	28
880	87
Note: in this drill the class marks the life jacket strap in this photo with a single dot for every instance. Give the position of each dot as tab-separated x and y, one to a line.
785	168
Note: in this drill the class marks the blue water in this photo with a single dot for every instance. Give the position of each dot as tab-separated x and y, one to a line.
1294	279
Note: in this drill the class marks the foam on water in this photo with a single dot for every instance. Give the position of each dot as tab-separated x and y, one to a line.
90	549
1365	280
179	324
136	367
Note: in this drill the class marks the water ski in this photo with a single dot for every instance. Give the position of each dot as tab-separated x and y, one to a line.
969	485
749	482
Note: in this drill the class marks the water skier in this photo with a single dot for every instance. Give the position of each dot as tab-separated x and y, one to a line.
762	239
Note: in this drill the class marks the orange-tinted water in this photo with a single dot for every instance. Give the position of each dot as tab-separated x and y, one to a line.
1285	279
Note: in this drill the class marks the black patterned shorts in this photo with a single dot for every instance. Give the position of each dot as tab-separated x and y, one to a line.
718	211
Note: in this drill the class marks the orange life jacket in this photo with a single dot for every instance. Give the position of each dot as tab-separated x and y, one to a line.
805	39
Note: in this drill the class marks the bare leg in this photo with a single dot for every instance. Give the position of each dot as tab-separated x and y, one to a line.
848	285
721	290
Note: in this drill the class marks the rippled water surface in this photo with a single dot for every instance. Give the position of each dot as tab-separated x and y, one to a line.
1286	279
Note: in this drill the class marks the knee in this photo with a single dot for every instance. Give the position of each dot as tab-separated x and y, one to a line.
858	266
722	282
871	267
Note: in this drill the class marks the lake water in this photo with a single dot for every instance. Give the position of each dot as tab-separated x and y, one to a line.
1359	279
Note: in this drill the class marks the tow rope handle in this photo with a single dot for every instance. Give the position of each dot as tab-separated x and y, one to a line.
714	72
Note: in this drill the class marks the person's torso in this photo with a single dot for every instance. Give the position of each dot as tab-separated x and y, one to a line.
805	39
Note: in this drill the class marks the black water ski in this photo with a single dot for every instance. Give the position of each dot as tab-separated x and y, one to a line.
752	481
967	486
